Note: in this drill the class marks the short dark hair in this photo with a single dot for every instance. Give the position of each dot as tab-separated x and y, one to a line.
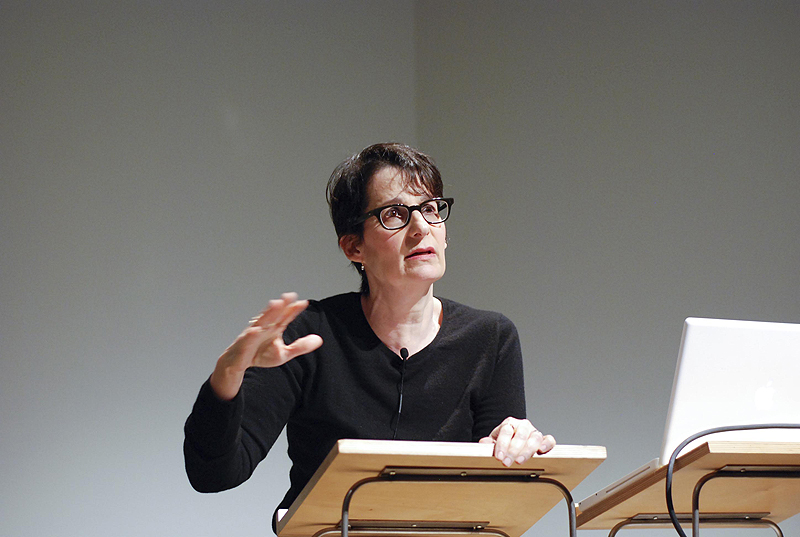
347	186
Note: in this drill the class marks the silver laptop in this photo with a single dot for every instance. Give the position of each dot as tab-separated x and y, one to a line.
728	373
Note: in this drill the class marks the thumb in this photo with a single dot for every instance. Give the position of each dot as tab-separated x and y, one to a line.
304	345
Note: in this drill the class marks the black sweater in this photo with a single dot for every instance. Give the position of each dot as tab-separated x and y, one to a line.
458	388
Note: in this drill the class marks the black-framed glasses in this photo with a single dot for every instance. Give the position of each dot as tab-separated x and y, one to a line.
397	215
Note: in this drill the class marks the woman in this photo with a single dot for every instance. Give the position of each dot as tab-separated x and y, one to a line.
393	361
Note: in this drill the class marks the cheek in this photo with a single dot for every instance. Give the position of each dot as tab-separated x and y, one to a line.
441	235
380	244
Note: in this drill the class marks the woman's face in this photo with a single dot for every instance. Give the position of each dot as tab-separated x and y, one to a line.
401	257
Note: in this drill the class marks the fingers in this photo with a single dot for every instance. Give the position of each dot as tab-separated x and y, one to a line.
517	441
505	433
524	443
276	317
280	312
304	345
529	445
548	443
261	344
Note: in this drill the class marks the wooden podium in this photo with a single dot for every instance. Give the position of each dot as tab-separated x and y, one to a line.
434	488
728	500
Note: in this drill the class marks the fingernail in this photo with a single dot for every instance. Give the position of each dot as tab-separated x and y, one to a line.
507	461
520	459
501	455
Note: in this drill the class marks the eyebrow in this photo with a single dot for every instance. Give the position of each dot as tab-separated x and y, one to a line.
393	201
396	201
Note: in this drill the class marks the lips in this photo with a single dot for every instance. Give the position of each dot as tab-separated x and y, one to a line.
420	252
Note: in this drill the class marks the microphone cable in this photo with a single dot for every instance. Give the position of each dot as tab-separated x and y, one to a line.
403	358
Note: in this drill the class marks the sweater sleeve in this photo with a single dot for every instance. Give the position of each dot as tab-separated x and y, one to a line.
224	441
210	436
504	395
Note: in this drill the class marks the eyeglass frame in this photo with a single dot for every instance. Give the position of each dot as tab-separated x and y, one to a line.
411	208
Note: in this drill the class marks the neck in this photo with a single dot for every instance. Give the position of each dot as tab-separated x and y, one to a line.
403	320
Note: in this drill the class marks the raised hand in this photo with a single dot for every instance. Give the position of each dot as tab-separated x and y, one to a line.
261	345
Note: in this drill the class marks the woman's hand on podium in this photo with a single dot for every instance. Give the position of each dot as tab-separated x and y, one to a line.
517	441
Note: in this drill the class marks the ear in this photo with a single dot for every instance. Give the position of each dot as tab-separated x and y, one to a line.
351	246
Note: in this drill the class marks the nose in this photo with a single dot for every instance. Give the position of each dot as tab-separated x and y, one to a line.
417	224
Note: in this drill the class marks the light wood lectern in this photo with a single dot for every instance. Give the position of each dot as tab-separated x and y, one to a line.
743	484
382	487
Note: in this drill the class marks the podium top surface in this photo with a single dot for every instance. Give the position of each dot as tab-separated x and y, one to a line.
776	499
510	507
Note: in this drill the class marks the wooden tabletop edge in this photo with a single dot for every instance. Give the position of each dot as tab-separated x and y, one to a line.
460	449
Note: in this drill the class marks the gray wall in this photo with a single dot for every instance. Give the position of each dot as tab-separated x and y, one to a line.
616	169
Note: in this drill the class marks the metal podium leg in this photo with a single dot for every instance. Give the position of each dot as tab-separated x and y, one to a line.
406	532
717	521
738	472
462	477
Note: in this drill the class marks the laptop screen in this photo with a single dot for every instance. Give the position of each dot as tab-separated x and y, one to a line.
734	373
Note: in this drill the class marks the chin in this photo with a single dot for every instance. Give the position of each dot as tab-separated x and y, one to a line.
430	274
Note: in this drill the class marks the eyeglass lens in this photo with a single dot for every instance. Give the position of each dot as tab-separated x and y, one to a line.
397	216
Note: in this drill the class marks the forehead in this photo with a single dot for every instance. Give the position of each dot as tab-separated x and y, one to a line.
393	185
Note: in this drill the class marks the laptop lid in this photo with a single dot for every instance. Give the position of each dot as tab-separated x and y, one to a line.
734	373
